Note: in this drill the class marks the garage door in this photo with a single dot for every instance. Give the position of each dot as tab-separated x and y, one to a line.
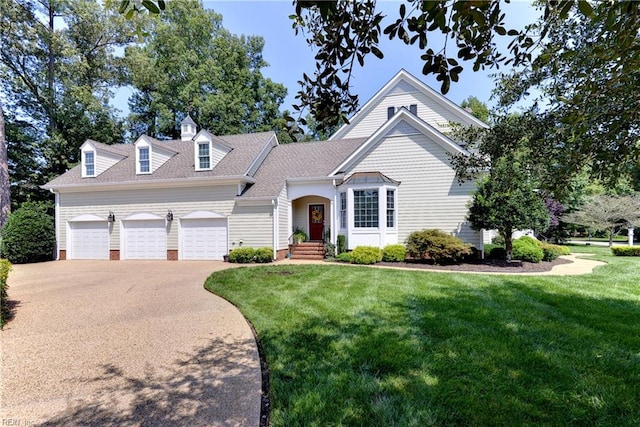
204	238
89	240
145	239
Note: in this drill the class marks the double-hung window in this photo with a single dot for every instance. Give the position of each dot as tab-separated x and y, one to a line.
204	157
343	210
365	208
391	208
89	163
143	159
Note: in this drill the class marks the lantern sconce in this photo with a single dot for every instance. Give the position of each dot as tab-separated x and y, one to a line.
111	217
169	215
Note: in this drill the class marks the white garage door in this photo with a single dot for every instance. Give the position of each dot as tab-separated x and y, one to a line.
145	239
204	238
89	240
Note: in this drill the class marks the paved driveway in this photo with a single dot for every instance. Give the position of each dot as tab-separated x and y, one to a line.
125	343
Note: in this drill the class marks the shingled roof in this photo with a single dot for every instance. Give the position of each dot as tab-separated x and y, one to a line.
300	160
244	150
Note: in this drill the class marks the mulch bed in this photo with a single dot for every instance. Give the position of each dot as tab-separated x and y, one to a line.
483	266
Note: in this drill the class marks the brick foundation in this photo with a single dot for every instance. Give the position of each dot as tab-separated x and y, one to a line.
281	254
62	255
172	254
114	254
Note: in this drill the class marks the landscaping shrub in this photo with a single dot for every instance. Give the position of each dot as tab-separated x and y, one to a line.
263	255
437	246
344	257
28	235
527	249
366	255
552	252
498	240
300	235
342	243
242	255
5	268
626	250
497	252
329	250
394	253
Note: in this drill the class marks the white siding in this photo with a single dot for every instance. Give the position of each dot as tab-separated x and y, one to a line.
253	225
429	195
105	160
403	95
283	218
158	158
181	201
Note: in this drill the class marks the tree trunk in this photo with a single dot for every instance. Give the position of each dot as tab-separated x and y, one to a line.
50	73
5	190
508	244
611	231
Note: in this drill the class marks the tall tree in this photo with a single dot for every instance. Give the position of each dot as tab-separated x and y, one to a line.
190	64
58	77
478	108
5	192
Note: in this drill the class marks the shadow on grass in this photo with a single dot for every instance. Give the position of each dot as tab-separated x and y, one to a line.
498	355
203	388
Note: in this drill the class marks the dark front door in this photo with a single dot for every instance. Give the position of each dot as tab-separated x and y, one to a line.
316	222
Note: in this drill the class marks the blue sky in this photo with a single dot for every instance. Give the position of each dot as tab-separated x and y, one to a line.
289	56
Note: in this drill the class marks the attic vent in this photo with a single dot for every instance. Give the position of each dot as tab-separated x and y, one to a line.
413	109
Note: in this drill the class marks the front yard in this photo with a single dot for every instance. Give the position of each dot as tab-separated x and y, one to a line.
363	346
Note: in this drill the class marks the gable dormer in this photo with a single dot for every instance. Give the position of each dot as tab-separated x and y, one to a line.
96	158
188	129
207	152
150	155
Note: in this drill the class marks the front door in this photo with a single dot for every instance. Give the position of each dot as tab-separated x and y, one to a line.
316	222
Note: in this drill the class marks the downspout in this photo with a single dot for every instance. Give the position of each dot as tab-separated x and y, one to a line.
276	227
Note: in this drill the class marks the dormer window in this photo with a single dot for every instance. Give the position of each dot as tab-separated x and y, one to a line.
144	165
89	163
204	156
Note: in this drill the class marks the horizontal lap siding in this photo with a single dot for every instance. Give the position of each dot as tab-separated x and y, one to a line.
429	195
431	112
251	224
181	201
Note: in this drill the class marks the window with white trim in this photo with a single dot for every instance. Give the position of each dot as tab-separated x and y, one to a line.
391	208
204	156
365	208
144	165
343	210
89	163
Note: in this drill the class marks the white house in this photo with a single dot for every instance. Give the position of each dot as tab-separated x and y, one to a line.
382	176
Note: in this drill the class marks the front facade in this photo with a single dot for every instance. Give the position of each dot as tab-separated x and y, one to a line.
377	179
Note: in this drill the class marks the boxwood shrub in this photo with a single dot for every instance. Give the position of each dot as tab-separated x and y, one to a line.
552	252
5	268
526	249
366	255
626	250
28	235
344	257
249	255
436	245
394	253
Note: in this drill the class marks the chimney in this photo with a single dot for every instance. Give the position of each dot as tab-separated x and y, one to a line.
188	129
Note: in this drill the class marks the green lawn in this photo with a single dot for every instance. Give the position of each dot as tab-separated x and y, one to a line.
375	347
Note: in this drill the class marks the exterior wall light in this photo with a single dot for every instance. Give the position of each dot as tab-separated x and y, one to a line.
111	217
169	215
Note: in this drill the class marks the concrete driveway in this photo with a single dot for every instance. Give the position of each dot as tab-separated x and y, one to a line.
125	343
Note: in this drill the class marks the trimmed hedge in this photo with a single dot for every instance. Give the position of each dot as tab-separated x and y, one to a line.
344	257
527	249
366	255
5	313
28	235
552	252
249	255
342	243
626	250
437	246
394	253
